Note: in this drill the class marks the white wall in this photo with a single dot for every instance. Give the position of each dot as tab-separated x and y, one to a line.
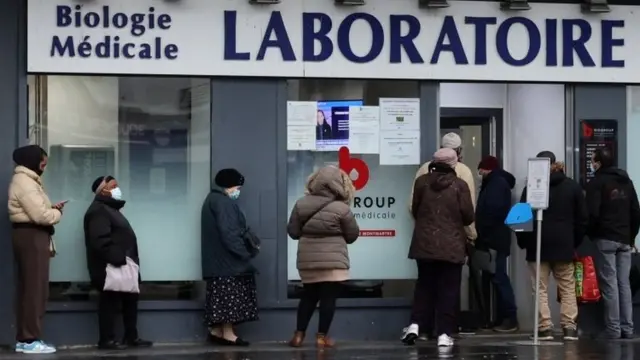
473	95
84	110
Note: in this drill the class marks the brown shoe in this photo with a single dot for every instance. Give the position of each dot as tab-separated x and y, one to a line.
323	341
297	340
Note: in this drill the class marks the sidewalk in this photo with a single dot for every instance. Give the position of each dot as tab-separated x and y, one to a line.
470	348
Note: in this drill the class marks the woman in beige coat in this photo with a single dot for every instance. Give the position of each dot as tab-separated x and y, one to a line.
323	223
33	217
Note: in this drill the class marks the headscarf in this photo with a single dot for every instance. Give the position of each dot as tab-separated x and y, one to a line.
29	156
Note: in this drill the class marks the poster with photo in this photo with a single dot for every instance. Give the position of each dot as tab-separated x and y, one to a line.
332	124
596	134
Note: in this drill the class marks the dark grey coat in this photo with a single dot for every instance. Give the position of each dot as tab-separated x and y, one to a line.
224	252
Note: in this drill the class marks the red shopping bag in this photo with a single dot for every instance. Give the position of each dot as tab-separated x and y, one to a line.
587	290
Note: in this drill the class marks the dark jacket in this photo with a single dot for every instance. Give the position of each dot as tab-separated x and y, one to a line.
224	252
494	203
323	223
109	238
564	223
614	213
441	207
323	131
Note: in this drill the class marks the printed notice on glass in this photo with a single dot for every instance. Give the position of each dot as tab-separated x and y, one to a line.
400	147
399	114
538	172
364	129
301	125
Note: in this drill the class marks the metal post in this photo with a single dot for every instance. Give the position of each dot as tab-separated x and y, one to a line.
536	306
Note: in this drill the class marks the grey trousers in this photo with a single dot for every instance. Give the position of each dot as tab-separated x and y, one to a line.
613	265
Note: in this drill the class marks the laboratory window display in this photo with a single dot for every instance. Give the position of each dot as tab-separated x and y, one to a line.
153	136
371	130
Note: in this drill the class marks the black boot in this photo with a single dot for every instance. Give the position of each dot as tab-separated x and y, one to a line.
507	326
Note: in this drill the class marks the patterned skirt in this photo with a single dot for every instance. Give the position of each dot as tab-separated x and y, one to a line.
230	300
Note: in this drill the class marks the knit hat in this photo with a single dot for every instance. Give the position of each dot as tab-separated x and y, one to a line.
100	183
451	141
227	178
489	163
547	154
446	156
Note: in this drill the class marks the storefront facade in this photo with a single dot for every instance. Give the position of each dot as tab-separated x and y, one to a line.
162	94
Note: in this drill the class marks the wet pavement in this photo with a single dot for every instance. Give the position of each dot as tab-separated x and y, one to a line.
468	349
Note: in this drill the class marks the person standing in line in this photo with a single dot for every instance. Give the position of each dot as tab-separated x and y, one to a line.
231	297
563	229
110	240
442	207
492	209
449	141
324	225
33	218
614	222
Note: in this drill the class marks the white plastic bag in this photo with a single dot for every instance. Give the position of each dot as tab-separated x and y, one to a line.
123	278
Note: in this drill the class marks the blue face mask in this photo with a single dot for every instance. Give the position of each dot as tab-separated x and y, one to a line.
235	194
116	193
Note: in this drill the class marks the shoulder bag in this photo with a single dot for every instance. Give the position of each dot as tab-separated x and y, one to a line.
304	223
123	278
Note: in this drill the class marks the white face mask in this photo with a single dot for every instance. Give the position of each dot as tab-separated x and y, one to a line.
116	193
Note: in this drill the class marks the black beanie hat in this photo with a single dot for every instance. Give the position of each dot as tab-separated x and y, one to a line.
227	178
99	180
547	154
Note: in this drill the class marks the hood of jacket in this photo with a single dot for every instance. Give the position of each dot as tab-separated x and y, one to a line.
332	183
557	177
507	176
614	173
439	180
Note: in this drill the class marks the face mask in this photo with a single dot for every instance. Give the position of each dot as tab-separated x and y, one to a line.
235	194
116	193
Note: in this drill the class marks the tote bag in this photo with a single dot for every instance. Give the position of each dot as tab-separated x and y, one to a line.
123	278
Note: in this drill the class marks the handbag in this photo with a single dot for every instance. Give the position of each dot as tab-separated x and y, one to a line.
587	290
123	278
634	274
481	259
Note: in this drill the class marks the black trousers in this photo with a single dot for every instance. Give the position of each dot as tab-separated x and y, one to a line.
325	293
109	304
436	298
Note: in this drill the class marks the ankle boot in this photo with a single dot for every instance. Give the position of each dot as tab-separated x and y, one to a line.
297	340
323	341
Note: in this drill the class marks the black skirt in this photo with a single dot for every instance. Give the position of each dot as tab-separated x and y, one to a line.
230	300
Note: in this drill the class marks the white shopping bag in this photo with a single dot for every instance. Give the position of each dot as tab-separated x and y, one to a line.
123	278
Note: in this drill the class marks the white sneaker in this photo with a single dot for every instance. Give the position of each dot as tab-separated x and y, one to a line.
36	347
445	340
410	334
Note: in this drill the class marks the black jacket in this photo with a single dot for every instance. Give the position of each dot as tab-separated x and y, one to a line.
614	213
224	252
564	223
109	238
323	132
494	203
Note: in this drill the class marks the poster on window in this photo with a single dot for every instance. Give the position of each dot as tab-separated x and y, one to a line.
594	135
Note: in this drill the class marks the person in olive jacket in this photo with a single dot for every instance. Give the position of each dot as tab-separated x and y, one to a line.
323	224
564	226
110	239
231	297
442	207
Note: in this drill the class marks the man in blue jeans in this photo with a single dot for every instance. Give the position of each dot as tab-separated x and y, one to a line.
614	221
494	203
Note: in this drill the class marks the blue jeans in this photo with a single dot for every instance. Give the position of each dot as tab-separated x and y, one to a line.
613	265
507	308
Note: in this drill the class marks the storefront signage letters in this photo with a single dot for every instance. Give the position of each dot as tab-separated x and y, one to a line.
108	46
318	46
469	41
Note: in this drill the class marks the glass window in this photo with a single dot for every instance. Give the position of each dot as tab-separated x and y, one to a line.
379	264
153	135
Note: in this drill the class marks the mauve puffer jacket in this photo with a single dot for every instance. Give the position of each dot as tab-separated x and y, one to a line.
323	223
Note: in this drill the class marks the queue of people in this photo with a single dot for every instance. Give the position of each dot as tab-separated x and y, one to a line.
448	221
